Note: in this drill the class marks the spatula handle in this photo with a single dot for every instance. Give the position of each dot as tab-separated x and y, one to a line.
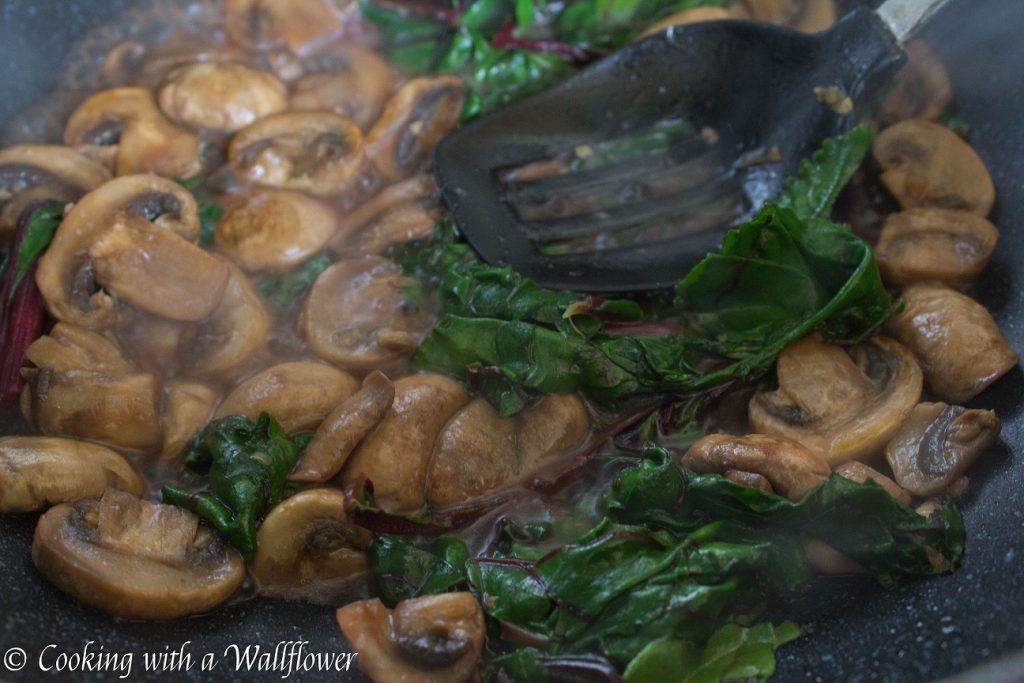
904	17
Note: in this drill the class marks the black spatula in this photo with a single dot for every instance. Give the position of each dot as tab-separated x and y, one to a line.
624	176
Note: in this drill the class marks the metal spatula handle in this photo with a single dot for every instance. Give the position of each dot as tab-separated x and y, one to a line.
904	17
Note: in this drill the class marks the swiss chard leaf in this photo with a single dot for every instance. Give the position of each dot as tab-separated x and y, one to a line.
284	289
39	232
246	465
405	570
820	179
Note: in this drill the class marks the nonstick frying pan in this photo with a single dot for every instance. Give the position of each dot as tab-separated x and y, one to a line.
969	624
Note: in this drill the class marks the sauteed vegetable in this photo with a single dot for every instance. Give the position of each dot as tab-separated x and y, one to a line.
253	356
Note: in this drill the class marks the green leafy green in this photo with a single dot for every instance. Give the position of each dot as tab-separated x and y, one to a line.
732	653
405	570
284	289
209	211
246	465
820	179
41	228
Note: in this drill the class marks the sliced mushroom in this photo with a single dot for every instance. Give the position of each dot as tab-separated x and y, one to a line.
135	559
157	270
188	406
396	454
405	223
29	172
750	479
38	471
924	244
694	15
155	343
358	85
790	468
860	473
117	409
937	444
479	450
423	111
344	428
421	189
299	394
224	97
428	639
926	164
235	333
841	404
274	229
956	341
65	276
809	16
301	25
921	89
317	152
129	121
69	347
357	315
307	549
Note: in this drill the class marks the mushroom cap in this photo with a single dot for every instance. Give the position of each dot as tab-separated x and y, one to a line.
39	471
300	25
395	455
421	188
145	139
135	559
274	229
344	428
791	468
220	96
357	316
937	444
188	406
921	89
926	164
298	394
307	548
70	347
317	152
954	338
29	172
402	141
357	85
64	275
842	404
427	639
926	244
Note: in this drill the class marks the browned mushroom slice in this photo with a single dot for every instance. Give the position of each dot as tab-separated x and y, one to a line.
154	342
423	111
403	224
357	85
809	16
65	275
307	549
301	25
841	404
344	428
926	164
187	408
274	229
299	394
135	559
235	333
129	120
357	316
751	479
921	89
860	473
694	15
38	471
118	409
221	96
428	639
396	454
479	450
956	341
421	188
937	444
924	244
790	468
69	347
318	152
157	270
30	172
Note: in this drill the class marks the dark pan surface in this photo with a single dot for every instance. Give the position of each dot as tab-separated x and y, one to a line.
919	631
